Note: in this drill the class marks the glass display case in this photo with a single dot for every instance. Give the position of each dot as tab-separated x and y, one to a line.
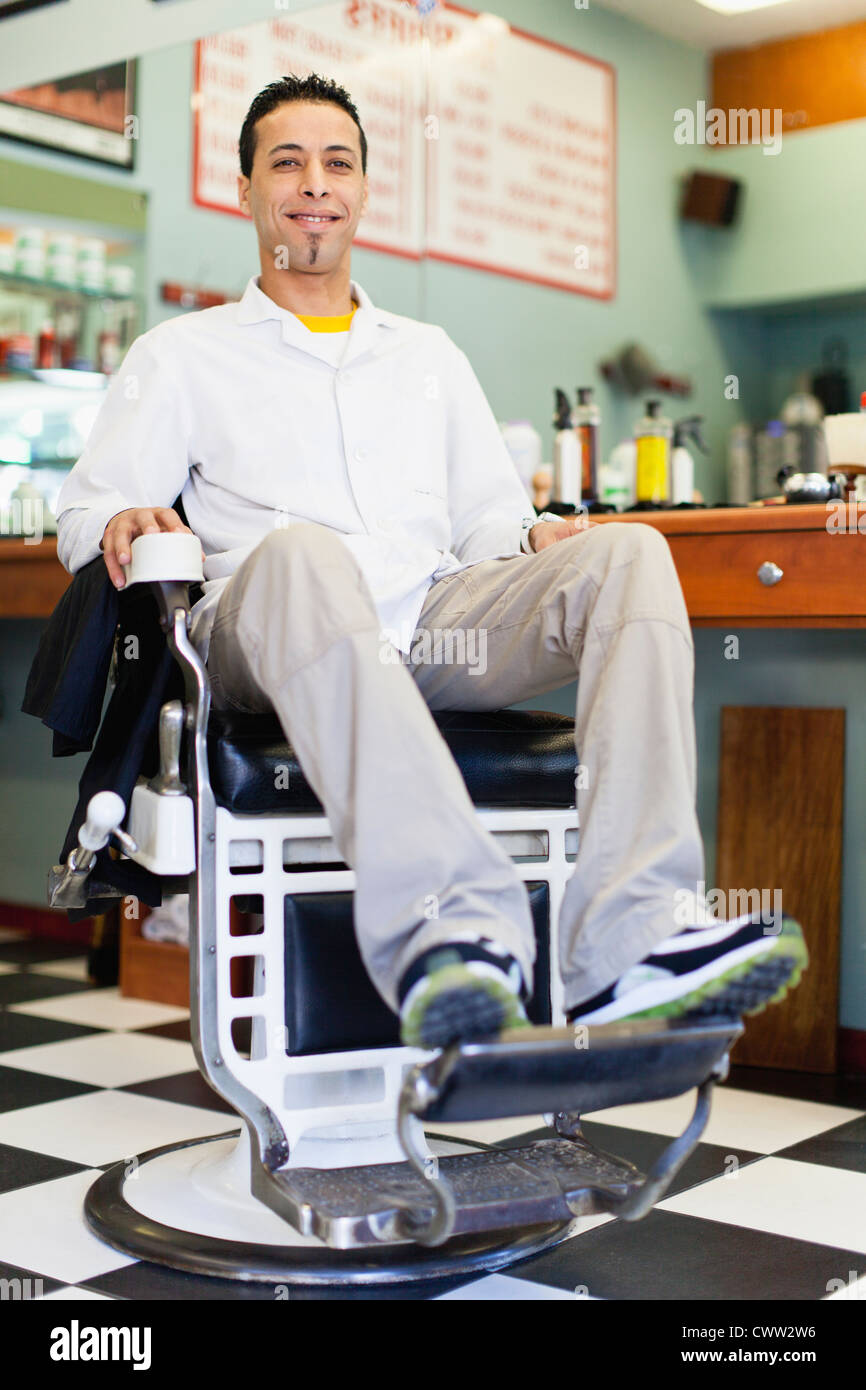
68	297
45	418
71	303
44	325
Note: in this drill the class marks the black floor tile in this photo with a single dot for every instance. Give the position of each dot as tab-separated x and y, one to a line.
642	1149
187	1088
21	1088
25	1167
28	1030
32	1285
842	1147
404	1293
670	1257
179	1030
33	949
26	985
153	1282
849	1091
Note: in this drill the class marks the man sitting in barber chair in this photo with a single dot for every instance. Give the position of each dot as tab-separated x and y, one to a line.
351	491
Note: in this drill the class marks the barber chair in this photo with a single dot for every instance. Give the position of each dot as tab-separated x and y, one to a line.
341	1172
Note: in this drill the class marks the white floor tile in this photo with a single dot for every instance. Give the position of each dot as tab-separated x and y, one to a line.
849	1288
107	1126
787	1198
589	1223
103	1008
42	1228
107	1059
489	1131
500	1288
740	1119
72	1293
75	968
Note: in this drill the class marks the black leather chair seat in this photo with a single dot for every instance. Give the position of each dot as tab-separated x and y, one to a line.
508	758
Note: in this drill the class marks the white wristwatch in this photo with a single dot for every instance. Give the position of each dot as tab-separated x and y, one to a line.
528	523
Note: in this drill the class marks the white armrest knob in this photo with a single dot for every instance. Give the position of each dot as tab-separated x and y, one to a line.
166	556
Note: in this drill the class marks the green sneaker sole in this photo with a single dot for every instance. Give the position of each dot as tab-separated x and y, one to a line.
459	1006
748	986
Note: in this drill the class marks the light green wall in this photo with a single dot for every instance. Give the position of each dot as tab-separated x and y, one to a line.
38	793
524	339
799	235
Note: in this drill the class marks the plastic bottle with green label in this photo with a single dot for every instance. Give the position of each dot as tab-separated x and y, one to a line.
653	439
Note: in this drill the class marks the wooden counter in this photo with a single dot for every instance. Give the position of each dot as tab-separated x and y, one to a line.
32	578
717	552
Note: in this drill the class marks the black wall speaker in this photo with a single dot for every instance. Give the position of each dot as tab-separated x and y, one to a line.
710	198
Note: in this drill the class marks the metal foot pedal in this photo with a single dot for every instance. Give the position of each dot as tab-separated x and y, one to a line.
541	1070
552	1180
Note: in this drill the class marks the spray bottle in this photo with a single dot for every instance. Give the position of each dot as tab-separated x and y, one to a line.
653	439
566	454
587	421
682	463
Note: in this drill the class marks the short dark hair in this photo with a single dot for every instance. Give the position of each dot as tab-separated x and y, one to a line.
292	88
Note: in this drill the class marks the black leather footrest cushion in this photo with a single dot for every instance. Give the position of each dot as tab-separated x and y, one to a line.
331	1003
508	758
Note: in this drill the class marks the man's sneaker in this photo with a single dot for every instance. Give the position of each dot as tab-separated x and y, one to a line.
728	970
460	992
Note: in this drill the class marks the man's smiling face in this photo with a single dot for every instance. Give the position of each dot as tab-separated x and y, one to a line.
306	191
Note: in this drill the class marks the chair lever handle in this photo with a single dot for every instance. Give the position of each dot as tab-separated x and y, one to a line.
171	721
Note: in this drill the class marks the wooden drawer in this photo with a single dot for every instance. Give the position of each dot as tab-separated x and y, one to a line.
719	550
823	576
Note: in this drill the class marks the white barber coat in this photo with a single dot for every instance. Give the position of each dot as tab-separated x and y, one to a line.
241	412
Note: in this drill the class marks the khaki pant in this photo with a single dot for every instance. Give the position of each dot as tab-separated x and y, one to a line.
297	630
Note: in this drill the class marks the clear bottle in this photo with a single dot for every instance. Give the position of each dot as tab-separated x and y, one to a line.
108	354
741	487
682	463
587	422
524	444
804	447
769	458
653	437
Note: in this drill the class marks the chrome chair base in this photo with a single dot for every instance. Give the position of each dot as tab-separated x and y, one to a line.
157	1207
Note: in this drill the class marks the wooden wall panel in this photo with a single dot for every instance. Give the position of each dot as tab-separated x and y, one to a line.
781	778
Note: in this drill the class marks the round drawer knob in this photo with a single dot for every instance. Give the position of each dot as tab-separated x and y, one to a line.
769	573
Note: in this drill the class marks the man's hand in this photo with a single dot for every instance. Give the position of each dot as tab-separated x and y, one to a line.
122	530
545	533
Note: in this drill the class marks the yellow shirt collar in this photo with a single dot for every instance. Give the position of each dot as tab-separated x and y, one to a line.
328	323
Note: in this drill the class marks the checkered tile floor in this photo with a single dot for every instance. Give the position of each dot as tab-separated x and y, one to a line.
771	1206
